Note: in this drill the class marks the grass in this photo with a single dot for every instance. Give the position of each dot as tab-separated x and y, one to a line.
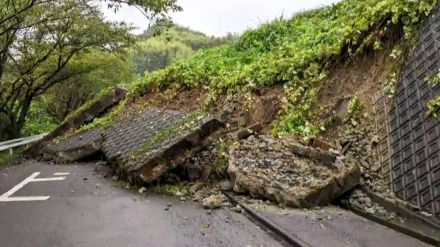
6	157
179	189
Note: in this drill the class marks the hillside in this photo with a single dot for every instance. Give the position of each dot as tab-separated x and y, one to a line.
298	54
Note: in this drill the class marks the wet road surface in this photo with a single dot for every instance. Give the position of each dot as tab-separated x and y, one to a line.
87	210
332	226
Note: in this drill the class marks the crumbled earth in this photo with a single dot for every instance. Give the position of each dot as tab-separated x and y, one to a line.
199	166
359	199
209	195
263	166
214	201
358	142
266	168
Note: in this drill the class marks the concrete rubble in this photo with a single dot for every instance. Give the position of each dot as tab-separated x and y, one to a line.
85	116
141	146
268	168
360	200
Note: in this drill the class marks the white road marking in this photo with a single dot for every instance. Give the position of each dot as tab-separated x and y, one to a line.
19	186
61	173
47	179
24	198
6	197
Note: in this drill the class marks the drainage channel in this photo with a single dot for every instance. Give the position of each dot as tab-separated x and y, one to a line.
423	228
288	238
312	227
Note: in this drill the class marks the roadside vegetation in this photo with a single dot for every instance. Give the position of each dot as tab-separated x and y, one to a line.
6	158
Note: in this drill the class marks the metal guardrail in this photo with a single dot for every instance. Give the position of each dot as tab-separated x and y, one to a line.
11	144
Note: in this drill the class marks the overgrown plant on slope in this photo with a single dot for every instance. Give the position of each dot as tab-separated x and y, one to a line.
434	104
296	52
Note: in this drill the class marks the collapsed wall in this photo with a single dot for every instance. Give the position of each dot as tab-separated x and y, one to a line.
85	115
141	145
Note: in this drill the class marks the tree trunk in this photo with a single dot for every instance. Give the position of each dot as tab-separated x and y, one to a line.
10	127
23	113
16	123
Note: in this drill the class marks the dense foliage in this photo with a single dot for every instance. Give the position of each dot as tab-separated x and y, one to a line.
40	40
434	104
102	70
163	44
295	52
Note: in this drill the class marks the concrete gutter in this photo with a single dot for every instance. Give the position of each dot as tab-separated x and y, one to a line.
281	233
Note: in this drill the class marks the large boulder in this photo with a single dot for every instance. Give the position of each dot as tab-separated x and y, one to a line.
289	173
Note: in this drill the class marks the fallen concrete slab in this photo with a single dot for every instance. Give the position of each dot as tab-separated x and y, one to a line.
171	146
75	147
86	115
129	132
267	168
141	145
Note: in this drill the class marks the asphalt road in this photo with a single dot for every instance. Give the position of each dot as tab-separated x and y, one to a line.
72	205
333	226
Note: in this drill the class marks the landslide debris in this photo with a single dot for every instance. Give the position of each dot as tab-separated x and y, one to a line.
141	146
268	168
360	200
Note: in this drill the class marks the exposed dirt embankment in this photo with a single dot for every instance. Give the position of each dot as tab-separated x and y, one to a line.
362	77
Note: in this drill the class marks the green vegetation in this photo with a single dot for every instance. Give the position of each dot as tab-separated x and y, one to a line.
104	71
180	189
297	52
6	157
434	104
154	49
38	121
163	44
354	108
48	45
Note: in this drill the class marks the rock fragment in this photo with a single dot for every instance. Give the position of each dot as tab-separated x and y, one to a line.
267	168
214	201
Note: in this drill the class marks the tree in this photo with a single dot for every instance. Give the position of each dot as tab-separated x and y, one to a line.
106	70
39	39
153	54
164	43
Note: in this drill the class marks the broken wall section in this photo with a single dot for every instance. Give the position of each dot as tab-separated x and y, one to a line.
141	144
87	115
